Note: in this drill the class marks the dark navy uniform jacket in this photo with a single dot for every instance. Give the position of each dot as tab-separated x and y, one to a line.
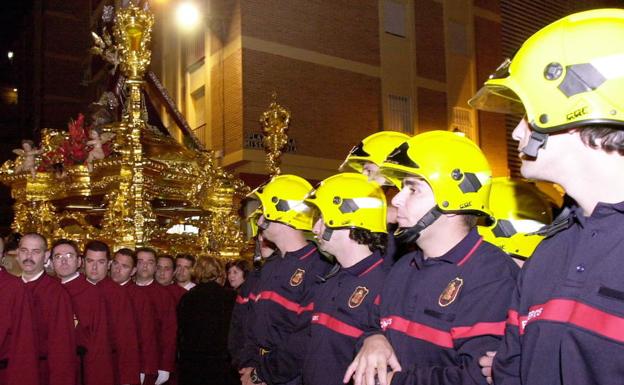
343	311
566	323
239	325
442	314
281	311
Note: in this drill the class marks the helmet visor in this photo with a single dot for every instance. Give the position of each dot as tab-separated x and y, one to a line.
497	98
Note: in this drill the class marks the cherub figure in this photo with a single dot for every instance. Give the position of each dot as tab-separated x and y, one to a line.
27	156
97	140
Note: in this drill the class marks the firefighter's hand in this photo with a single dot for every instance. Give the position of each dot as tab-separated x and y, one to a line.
163	376
142	377
245	376
373	359
486	365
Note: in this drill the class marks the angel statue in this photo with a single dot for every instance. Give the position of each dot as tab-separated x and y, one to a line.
27	156
97	140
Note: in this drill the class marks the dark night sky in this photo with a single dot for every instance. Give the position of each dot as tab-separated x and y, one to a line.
12	15
11	18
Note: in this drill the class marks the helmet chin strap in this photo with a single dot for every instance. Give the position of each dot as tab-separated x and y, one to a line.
408	235
264	225
537	140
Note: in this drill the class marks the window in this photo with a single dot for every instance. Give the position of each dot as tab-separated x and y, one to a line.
394	18
400	114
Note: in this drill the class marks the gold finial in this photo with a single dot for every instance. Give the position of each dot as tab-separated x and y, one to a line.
275	122
132	31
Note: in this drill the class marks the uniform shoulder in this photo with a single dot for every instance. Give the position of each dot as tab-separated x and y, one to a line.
494	262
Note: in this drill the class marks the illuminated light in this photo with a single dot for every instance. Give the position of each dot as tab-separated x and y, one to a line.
14	89
187	16
10	54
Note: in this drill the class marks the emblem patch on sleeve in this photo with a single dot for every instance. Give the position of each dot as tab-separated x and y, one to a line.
449	294
358	296
297	277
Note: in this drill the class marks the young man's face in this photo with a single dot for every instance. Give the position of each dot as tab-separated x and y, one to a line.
146	265
164	271
273	232
413	201
96	265
183	270
337	244
550	162
122	268
371	170
32	255
65	260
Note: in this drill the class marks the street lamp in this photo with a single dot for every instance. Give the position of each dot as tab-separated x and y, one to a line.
187	15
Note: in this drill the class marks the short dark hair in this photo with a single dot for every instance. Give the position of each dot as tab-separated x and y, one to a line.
128	253
188	257
63	241
37	235
146	250
12	241
374	241
241	264
470	220
167	256
609	139
96	245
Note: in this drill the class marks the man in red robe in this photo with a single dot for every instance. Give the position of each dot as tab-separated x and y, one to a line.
122	325
18	354
123	267
93	347
165	269
52	312
166	322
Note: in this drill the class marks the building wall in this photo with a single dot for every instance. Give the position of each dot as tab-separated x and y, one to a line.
344	75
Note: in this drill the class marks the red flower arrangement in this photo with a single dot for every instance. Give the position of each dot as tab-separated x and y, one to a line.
72	150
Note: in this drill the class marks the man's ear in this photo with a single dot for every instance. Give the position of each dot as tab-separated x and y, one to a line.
134	270
46	257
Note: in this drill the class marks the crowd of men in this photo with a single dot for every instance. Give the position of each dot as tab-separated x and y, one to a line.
413	274
91	324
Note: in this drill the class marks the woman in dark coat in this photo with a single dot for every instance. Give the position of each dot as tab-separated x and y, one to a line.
203	320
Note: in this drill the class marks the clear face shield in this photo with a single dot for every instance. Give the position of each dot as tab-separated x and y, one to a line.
495	96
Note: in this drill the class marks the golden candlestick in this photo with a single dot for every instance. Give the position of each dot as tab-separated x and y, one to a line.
274	123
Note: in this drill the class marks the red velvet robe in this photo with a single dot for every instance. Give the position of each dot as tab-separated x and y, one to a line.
145	316
123	334
54	324
96	366
176	292
166	324
18	353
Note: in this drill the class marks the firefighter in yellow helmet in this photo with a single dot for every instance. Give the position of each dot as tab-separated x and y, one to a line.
453	281
283	294
351	226
519	211
568	79
366	158
368	155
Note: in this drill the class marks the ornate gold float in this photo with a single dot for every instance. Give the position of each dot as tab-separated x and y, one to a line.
127	182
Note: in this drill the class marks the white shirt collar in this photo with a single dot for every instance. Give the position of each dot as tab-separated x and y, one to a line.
70	278
36	277
125	282
189	285
144	284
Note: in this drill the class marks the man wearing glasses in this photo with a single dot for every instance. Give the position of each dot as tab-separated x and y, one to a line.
93	347
52	311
